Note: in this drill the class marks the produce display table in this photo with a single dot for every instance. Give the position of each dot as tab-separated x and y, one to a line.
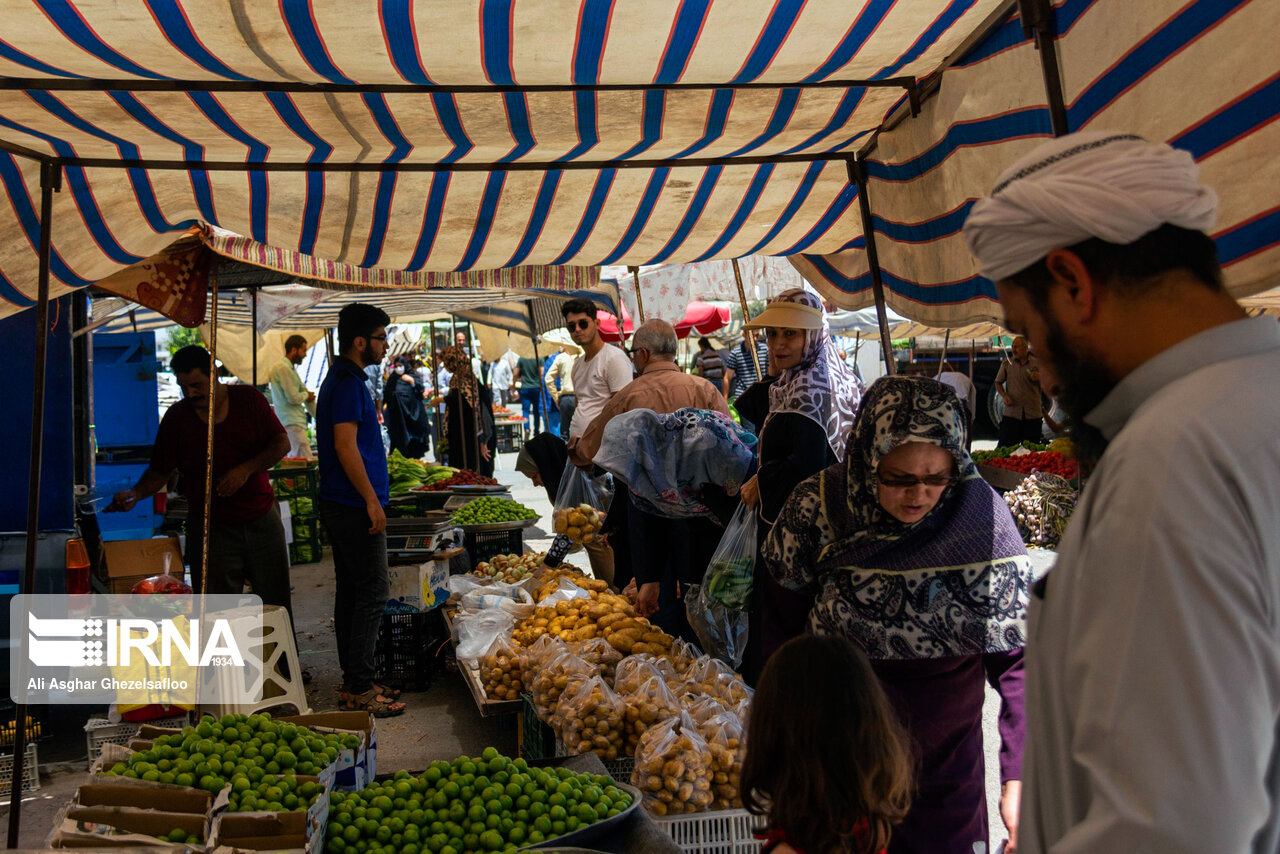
488	708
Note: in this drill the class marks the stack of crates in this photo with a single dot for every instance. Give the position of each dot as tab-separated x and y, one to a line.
300	486
35	732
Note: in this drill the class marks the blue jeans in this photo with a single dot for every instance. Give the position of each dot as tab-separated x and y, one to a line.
360	568
530	400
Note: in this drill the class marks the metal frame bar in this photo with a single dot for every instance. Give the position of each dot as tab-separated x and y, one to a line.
1038	23
858	176
746	316
50	182
421	166
47	84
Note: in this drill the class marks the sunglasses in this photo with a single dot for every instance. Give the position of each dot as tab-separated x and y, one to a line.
573	325
934	480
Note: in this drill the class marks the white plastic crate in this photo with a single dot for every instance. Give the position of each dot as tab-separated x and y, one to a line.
100	731
719	832
30	772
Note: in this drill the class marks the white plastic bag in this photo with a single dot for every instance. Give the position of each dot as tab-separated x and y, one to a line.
477	632
580	506
722	631
731	572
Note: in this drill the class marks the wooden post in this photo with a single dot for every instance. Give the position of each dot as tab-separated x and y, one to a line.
742	300
435	373
635	271
208	463
946	340
254	339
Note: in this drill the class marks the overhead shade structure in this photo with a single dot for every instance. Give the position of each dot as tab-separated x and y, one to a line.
701	317
451	137
1204	77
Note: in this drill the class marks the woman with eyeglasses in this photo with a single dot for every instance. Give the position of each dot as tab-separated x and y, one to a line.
915	558
804	408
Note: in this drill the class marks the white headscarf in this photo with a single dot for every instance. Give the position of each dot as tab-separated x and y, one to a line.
821	387
1116	187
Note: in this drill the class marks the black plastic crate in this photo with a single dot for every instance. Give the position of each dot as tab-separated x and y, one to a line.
291	481
307	547
37	725
406	646
537	739
482	545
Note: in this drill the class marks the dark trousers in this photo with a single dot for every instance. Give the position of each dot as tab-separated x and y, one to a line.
360	568
1014	431
674	553
243	551
531	399
568	403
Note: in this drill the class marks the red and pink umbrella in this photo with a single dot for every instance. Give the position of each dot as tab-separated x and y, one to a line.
702	317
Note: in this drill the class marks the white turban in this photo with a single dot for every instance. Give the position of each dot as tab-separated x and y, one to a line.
1116	187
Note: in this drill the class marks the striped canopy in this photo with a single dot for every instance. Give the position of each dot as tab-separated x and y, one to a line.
1203	76
478	134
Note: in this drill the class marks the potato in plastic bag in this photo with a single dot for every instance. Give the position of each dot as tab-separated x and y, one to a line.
647	705
555	676
726	739
702	708
633	671
673	768
535	653
598	653
580	506
500	674
683	654
589	719
713	677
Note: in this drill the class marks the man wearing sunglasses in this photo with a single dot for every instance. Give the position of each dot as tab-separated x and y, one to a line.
599	373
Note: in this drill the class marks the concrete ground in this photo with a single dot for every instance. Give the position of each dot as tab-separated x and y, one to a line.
440	723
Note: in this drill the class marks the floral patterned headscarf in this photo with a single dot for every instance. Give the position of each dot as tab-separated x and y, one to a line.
458	363
821	387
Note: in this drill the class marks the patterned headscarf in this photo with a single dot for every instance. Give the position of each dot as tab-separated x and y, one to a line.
821	387
895	411
458	363
957	582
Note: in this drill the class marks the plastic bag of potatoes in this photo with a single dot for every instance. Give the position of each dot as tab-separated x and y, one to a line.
648	704
601	656
536	654
589	719
726	739
555	676
500	674
673	768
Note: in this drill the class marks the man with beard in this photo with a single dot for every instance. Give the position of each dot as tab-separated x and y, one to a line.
1018	382
1153	687
353	494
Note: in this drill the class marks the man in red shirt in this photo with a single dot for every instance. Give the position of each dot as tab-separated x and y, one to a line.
246	536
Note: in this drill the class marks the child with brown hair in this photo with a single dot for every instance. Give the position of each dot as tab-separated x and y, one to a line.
827	762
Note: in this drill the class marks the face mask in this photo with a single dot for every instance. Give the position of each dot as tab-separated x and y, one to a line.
399	369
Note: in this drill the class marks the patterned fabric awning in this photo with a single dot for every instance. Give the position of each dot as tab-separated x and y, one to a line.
1202	76
593	131
486	134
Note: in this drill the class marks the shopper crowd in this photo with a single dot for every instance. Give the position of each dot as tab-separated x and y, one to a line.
890	585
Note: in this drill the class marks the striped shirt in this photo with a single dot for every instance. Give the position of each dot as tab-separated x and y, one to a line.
739	361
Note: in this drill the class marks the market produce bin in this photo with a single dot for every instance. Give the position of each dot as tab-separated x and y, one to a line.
537	739
482	545
403	657
295	481
307	546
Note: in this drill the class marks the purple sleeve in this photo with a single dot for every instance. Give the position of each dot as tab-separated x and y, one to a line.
1005	673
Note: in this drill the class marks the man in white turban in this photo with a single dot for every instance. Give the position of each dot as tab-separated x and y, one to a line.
1153	665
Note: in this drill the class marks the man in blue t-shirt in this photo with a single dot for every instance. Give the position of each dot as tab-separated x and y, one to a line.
353	495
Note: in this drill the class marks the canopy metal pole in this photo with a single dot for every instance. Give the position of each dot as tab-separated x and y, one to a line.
254	339
635	271
50	182
537	357
858	175
1037	22
328	345
208	463
946	341
434	370
742	299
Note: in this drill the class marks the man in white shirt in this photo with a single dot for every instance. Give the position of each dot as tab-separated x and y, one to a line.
291	398
1153	665
598	373
964	387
